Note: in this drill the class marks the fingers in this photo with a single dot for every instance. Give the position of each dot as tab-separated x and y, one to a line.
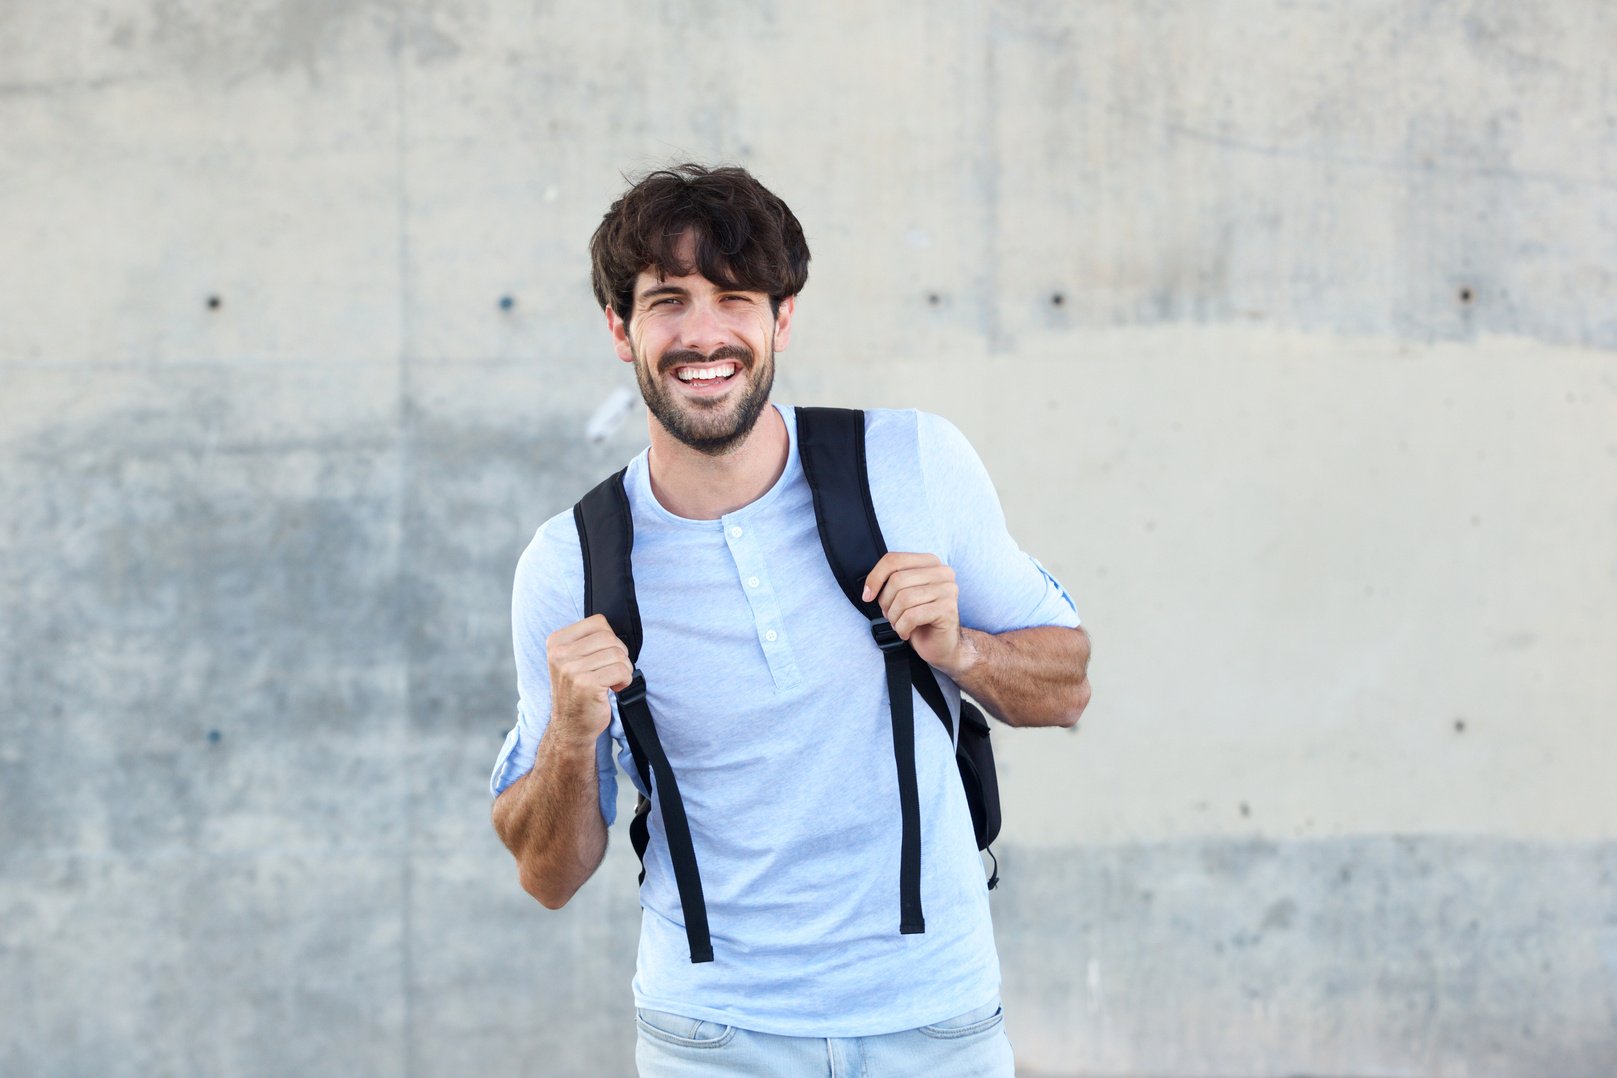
894	562
587	654
915	590
941	613
590	626
605	668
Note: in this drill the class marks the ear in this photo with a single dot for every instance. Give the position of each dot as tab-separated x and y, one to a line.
783	323
620	336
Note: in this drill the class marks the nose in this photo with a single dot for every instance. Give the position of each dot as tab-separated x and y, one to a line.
702	329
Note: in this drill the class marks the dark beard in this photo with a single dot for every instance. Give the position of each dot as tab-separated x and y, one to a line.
705	429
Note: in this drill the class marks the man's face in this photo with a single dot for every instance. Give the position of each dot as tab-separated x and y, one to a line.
704	355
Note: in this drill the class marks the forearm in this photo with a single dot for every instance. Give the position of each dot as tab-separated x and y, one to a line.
550	819
1027	677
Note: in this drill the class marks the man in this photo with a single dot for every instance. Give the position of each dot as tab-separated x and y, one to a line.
768	692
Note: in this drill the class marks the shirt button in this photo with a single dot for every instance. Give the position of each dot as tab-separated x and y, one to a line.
771	636
752	582
735	533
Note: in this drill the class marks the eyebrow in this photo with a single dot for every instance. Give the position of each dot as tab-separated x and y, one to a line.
664	290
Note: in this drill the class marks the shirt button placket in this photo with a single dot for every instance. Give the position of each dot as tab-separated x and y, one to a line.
745	555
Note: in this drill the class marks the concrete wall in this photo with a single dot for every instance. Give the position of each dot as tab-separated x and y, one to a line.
1288	329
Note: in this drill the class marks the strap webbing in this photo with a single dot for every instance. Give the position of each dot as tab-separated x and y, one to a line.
606	537
910	918
636	716
840	481
831	446
926	683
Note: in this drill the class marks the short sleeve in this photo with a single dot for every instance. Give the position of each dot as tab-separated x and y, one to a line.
1002	587
546	594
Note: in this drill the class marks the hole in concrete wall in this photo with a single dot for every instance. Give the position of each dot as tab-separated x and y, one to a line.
1246	809
933	299
1466	295
1459	726
1057	299
214	303
507	302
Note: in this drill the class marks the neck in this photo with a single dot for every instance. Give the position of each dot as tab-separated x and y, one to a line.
697	486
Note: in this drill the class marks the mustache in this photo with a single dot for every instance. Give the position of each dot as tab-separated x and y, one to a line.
741	355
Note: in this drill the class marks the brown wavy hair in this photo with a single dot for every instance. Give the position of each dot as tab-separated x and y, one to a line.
746	237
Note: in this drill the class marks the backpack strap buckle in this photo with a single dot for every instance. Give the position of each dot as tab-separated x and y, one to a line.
887	637
634	692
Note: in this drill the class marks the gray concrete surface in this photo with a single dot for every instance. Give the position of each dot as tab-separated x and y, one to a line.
1286	328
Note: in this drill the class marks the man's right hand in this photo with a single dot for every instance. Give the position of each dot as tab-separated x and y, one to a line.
587	661
550	818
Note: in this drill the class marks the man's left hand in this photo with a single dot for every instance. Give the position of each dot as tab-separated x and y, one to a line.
918	595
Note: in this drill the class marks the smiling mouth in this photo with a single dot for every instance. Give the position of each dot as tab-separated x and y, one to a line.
708	375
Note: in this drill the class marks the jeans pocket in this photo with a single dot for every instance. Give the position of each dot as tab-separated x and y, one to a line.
973	1022
685	1032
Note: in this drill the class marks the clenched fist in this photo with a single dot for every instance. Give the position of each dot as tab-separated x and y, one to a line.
587	661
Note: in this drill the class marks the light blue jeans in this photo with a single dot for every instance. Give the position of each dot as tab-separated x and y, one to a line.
971	1045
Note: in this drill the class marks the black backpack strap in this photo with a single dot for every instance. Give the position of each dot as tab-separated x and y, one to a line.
636	717
926	683
831	445
606	537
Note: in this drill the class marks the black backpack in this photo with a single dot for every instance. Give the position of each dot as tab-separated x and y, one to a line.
831	445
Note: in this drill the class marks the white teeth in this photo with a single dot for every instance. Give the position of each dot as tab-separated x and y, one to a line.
691	374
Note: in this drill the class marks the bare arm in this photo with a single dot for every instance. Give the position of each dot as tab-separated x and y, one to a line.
550	819
1026	677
